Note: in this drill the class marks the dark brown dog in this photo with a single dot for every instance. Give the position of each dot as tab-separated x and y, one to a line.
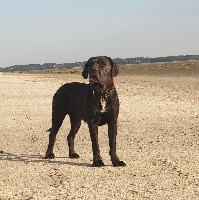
96	103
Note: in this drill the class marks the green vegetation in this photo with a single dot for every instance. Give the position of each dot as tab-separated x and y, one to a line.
76	65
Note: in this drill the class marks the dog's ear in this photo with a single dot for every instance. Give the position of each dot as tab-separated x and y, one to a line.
85	71
115	68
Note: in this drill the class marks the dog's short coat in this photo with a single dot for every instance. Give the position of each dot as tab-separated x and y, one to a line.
96	103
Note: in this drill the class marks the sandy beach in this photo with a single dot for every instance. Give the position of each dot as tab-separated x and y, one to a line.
158	138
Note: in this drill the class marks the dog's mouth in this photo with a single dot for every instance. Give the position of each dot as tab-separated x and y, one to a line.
98	84
94	81
102	89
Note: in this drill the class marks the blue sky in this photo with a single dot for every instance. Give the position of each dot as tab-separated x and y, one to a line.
39	31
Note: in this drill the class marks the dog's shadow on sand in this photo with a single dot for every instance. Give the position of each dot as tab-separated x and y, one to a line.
5	156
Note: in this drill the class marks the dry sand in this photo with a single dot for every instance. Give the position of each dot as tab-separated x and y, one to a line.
158	138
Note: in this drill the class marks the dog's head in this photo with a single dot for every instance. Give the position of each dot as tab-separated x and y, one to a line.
101	71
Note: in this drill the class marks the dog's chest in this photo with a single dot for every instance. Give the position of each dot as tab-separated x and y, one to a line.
103	103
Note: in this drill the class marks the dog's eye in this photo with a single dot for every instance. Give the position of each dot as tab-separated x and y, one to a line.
104	64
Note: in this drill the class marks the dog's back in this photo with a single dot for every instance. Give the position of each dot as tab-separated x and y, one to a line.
70	99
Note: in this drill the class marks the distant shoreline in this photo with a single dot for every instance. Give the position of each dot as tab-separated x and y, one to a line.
119	61
183	69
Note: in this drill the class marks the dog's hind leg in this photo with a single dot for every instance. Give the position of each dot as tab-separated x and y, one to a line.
57	120
75	125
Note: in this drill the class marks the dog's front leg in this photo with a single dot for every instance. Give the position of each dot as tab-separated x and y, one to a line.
97	160
112	132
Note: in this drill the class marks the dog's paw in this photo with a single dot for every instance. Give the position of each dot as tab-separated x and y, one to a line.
73	155
50	156
118	163
98	163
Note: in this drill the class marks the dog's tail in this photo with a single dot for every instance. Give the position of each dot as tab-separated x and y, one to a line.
49	130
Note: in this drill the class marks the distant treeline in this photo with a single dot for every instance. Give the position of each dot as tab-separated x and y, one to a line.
119	61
